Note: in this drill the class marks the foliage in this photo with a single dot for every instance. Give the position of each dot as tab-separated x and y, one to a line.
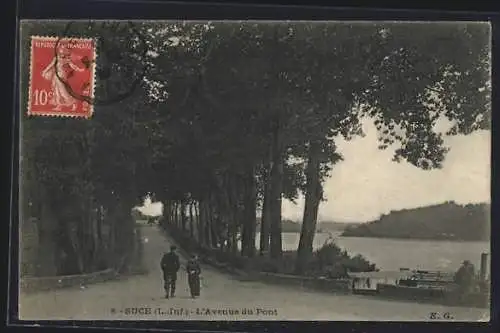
332	261
225	115
73	168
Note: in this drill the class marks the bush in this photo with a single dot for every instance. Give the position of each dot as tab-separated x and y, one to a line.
333	262
328	261
265	264
284	265
329	254
359	263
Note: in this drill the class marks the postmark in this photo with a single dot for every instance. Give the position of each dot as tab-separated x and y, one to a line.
62	77
121	65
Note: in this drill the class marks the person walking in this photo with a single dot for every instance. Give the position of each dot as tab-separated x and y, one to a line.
170	265
194	271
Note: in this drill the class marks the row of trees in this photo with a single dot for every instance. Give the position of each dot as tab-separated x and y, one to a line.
230	118
258	114
78	177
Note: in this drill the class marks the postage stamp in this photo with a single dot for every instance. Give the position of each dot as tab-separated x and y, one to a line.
62	77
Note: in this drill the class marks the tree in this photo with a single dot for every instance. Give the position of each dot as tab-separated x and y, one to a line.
290	100
71	169
232	133
398	88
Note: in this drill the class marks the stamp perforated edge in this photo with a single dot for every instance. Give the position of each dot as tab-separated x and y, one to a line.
92	78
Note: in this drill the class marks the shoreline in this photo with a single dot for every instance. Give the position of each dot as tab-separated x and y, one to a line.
455	240
319	283
439	239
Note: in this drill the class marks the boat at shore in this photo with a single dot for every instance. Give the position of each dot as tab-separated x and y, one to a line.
367	282
423	285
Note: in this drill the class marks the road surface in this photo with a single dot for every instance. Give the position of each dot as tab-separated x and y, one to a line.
222	298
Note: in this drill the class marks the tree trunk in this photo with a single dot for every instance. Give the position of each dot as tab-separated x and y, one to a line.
205	222
249	214
166	213
183	216
100	238
276	191
265	219
199	229
47	240
74	230
172	212
226	210
179	216
112	237
93	258
201	222
191	220
93	243
176	215
211	239
102	233
314	193
128	241
234	211
228	228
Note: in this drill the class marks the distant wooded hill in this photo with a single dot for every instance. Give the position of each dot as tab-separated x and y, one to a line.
286	225
445	221
326	226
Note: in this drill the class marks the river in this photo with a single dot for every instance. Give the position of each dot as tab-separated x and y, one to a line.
392	254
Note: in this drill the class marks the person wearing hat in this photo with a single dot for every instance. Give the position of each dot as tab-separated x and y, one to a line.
464	278
170	266
193	270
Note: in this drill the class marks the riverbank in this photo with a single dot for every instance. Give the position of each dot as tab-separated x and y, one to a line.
393	254
219	290
415	238
282	273
328	261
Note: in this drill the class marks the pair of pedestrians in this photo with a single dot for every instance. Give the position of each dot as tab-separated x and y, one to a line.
170	265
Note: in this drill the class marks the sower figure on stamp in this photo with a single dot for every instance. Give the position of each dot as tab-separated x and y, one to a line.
194	271
170	266
58	70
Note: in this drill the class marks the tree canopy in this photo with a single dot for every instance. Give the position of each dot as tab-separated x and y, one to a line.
234	116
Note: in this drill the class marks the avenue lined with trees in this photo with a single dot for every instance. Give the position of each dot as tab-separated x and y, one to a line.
227	120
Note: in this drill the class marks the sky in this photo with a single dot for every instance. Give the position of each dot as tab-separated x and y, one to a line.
367	183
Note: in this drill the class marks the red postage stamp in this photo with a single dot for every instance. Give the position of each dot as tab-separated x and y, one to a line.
62	72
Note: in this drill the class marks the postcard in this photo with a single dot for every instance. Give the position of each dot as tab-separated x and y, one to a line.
255	170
